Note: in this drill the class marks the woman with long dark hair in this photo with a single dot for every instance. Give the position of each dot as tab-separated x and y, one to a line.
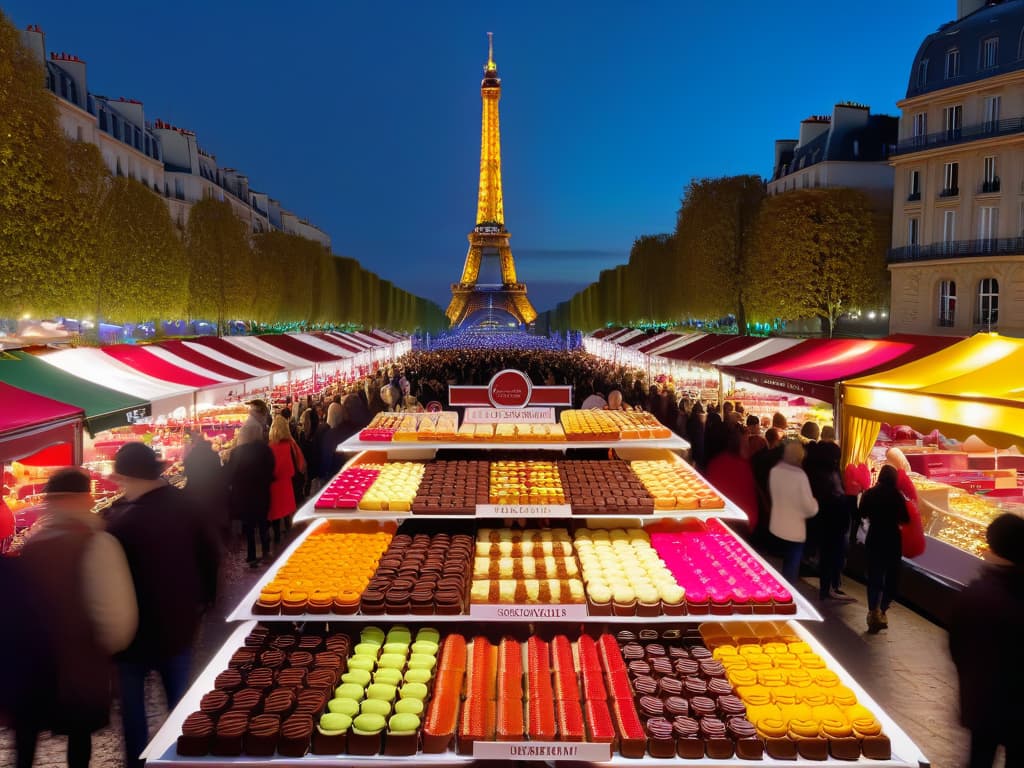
885	509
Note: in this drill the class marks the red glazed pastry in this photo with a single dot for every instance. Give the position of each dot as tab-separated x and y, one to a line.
541	718
476	724
632	739
600	728
509	725
570	720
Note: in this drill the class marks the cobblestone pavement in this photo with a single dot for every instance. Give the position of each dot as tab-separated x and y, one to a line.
906	669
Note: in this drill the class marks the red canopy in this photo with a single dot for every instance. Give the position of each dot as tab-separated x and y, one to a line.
813	367
600	334
144	361
206	362
237	353
30	423
383	336
689	352
338	341
657	341
639	340
361	345
294	346
731	345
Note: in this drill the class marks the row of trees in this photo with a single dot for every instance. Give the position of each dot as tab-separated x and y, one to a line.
77	242
738	253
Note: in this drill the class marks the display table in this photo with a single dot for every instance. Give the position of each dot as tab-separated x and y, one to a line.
731	562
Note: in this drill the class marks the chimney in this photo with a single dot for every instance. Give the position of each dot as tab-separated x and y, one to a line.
967	7
812	128
34	39
848	115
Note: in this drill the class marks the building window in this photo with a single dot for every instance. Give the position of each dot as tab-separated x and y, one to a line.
952	63
989	52
920	125
78	133
947	303
988	302
988	227
990	182
914	186
951	180
922	73
913	231
953	121
992	104
949	228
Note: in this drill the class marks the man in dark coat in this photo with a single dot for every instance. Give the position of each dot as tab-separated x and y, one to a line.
206	486
250	472
984	640
173	556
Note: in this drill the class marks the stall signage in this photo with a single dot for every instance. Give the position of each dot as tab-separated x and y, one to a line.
523	510
509	415
509	389
567	611
542	750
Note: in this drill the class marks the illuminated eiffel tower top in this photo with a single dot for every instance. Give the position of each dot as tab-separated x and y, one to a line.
490	209
472	301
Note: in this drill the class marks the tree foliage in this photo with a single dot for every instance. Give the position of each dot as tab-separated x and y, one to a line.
32	182
222	282
144	275
714	238
819	251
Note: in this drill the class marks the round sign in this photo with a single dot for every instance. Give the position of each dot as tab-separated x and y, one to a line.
510	389
434	407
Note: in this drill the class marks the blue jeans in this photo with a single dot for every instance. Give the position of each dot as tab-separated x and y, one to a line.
792	554
173	672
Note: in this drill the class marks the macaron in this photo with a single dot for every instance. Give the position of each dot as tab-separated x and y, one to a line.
348	707
409	706
333	723
403	723
375	707
413	691
368	724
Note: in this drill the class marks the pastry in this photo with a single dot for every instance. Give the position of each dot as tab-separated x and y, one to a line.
196	735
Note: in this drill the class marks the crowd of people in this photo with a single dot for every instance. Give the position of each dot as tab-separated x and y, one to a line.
120	595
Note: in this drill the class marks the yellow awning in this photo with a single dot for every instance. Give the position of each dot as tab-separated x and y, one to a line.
974	387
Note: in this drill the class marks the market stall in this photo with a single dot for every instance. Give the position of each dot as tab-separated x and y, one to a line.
409	623
104	408
958	416
212	387
91	364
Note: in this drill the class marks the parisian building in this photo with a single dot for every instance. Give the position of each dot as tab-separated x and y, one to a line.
166	158
957	262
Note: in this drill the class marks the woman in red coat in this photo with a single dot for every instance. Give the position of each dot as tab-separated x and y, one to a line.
287	459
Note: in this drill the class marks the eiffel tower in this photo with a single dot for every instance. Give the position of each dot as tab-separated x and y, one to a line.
470	298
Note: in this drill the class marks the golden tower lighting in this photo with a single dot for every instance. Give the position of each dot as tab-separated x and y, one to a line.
489	235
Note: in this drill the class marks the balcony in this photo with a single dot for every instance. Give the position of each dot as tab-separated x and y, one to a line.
950	192
914	197
990	186
957	249
987	130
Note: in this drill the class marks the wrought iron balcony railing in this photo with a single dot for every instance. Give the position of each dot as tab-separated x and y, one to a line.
958	249
985	130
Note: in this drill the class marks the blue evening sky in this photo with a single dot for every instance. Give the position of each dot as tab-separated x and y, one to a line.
364	117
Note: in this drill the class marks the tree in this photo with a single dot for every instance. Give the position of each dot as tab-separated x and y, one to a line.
817	255
713	244
143	273
222	281
34	258
649	290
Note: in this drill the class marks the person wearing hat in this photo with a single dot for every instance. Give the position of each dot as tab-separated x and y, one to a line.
984	641
80	583
173	554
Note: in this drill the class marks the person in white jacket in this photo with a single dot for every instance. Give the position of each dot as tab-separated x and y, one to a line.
79	578
792	503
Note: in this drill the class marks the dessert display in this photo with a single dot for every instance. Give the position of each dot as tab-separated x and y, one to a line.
525	567
378	707
525	482
719	575
311	581
637	425
624	576
347	488
452	488
676	485
797	705
395	486
266	701
420	574
381	428
594	426
596	487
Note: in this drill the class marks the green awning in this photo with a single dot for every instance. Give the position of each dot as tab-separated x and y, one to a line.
104	408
